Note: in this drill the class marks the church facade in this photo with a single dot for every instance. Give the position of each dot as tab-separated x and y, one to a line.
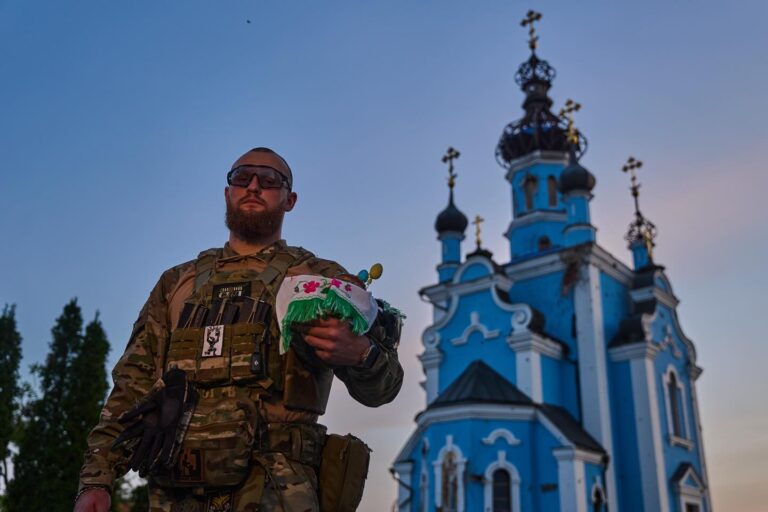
560	380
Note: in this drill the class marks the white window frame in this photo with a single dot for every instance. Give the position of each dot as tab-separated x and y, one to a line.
514	482
673	439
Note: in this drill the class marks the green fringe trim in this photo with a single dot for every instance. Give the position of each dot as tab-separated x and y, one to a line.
306	310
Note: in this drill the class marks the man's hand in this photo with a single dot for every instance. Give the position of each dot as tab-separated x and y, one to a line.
334	342
93	500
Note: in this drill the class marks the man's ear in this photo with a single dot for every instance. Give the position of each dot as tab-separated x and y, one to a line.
290	201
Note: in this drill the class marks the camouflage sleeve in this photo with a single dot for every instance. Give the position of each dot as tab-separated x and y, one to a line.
381	383
134	374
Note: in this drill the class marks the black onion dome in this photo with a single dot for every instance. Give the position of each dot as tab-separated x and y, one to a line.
539	129
575	177
451	219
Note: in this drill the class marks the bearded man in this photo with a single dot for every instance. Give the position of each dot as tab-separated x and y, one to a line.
204	404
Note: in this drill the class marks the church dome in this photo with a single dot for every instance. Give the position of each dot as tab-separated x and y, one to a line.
575	177
539	128
451	219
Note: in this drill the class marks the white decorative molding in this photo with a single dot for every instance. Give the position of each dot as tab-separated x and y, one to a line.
648	430
404	490
569	453
669	342
536	216
475	325
691	495
572	486
684	441
593	368
633	351
475	412
534	342
430	361
536	157
461	464
597	493
514	482
653	292
501	433
479	412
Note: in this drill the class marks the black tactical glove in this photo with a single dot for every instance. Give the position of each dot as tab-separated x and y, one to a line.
160	422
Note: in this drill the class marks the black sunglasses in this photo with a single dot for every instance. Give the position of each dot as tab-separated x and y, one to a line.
242	176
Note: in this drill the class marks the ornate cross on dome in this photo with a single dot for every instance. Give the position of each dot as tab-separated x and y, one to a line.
630	167
566	113
530	18
641	229
476	222
448	158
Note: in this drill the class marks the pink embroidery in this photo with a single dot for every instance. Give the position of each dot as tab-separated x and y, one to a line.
311	286
335	282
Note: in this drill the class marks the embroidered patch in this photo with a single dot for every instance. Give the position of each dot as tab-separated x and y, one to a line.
220	503
190	466
229	290
213	341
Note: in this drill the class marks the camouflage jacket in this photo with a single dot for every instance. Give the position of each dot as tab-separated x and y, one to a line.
143	361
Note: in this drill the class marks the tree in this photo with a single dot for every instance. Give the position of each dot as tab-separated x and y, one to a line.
55	423
10	357
86	388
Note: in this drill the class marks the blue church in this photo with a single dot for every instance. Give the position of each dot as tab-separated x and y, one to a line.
560	380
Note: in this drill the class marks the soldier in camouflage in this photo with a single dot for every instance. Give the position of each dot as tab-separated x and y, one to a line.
253	442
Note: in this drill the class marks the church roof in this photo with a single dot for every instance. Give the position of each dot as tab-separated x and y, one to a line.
570	428
480	383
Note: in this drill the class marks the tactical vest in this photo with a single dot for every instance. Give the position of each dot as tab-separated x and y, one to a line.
227	341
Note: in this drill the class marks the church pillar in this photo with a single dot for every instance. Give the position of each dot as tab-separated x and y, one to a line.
646	409
593	373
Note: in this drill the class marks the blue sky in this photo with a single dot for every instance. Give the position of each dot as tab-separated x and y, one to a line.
118	121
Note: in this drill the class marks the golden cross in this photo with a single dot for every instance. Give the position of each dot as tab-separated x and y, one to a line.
448	158
530	18
567	113
476	222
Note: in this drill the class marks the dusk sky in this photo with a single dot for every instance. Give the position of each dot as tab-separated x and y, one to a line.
119	120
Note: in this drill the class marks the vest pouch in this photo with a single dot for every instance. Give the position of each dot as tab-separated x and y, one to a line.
343	470
182	351
216	451
246	340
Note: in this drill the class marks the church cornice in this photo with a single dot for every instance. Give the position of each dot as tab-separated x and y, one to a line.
535	157
654	292
640	350
536	216
532	341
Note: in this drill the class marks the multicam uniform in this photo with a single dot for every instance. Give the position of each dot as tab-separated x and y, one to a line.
273	414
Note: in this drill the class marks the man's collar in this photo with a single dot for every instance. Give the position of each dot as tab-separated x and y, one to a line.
229	252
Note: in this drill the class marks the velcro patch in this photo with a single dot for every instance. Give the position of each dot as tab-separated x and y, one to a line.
213	341
229	290
189	469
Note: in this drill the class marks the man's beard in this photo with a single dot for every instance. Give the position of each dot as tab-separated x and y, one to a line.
251	226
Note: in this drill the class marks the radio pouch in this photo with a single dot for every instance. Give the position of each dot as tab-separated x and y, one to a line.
343	470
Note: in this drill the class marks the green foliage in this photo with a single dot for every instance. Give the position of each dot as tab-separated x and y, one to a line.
54	425
10	357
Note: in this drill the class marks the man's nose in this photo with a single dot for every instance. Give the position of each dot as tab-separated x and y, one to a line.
253	185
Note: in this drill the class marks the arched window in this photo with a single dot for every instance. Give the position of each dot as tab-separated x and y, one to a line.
675	405
501	491
552	191
544	243
529	186
450	484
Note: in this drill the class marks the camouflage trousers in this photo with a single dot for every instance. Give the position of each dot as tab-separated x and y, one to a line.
277	484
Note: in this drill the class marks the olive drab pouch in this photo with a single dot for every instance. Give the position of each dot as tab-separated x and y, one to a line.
217	447
343	471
